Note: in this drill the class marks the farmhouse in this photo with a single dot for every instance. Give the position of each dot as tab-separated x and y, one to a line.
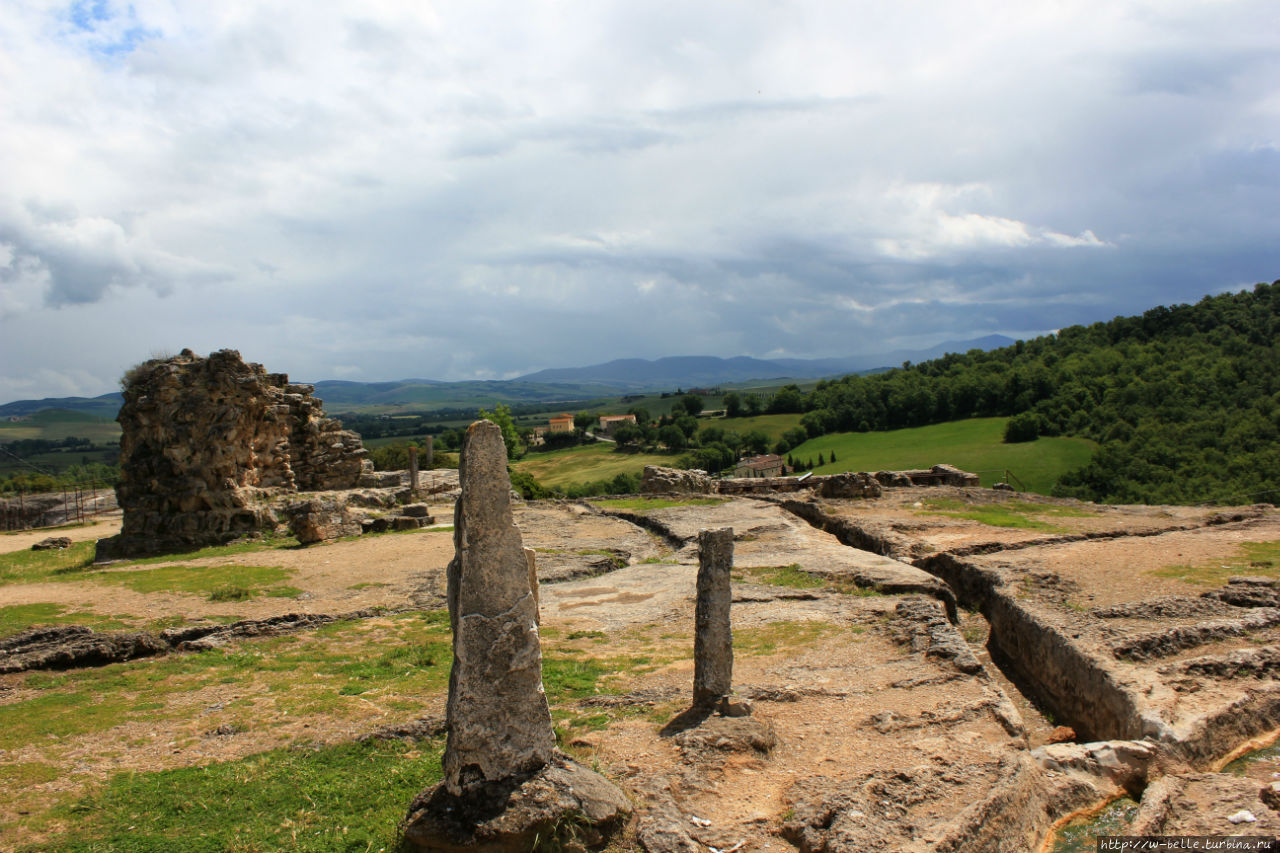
609	423
561	423
767	465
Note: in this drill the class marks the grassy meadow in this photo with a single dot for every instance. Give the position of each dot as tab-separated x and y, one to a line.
599	461
974	445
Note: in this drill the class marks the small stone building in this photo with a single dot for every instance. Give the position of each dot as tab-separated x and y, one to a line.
206	441
765	465
609	423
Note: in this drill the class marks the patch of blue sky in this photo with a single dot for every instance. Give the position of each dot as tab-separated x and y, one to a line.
86	14
106	30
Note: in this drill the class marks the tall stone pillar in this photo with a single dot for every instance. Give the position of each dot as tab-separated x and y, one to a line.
713	637
506	787
413	468
498	720
431	451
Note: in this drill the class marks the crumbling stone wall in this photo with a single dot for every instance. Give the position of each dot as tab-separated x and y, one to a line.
207	440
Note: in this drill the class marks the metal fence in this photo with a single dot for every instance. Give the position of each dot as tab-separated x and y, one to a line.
72	504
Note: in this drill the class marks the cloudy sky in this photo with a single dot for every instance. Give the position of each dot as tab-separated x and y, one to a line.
393	188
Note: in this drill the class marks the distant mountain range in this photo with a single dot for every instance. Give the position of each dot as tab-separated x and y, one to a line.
613	378
638	374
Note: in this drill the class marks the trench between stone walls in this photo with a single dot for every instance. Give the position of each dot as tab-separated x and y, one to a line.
1051	671
1041	663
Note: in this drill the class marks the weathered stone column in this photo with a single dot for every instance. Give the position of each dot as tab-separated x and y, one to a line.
431	451
506	788
413	469
713	637
498	720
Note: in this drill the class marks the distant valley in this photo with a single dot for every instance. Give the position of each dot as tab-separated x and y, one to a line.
570	384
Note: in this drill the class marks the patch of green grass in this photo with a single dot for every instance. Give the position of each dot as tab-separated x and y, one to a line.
367	585
789	576
34	566
1012	513
339	798
767	639
572	678
643	504
407	654
24	773
17	618
975	445
771	425
601	461
1251	558
233	582
578	635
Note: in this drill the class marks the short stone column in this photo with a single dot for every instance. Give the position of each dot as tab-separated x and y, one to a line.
713	636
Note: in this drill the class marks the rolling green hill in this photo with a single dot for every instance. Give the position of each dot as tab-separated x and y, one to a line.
1183	401
974	445
559	468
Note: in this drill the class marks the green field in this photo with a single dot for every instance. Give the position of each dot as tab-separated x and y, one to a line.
975	445
587	463
771	425
57	424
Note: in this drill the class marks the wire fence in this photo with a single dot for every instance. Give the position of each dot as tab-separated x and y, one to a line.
73	504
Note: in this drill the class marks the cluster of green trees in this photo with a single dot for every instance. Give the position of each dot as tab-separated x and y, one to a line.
71	477
1184	401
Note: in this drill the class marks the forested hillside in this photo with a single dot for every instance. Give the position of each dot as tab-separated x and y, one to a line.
1184	401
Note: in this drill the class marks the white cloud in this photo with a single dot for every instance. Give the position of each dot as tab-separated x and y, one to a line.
465	189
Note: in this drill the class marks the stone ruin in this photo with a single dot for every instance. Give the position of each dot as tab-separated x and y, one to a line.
206	441
658	480
506	786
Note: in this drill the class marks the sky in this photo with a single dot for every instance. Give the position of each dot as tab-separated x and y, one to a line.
477	190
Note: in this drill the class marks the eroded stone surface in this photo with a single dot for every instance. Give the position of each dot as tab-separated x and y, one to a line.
320	519
499	722
713	635
512	817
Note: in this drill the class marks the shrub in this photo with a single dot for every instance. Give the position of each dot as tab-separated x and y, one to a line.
1023	427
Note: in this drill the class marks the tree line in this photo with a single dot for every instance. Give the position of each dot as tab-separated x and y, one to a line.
1183	401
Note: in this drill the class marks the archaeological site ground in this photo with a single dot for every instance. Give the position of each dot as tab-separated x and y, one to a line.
932	668
272	647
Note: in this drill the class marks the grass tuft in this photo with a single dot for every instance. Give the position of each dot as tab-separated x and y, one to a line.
1251	558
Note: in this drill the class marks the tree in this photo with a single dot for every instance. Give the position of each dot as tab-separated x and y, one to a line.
692	404
822	460
688	425
752	404
1023	427
833	457
641	413
501	415
756	441
788	400
672	437
584	421
733	405
627	434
